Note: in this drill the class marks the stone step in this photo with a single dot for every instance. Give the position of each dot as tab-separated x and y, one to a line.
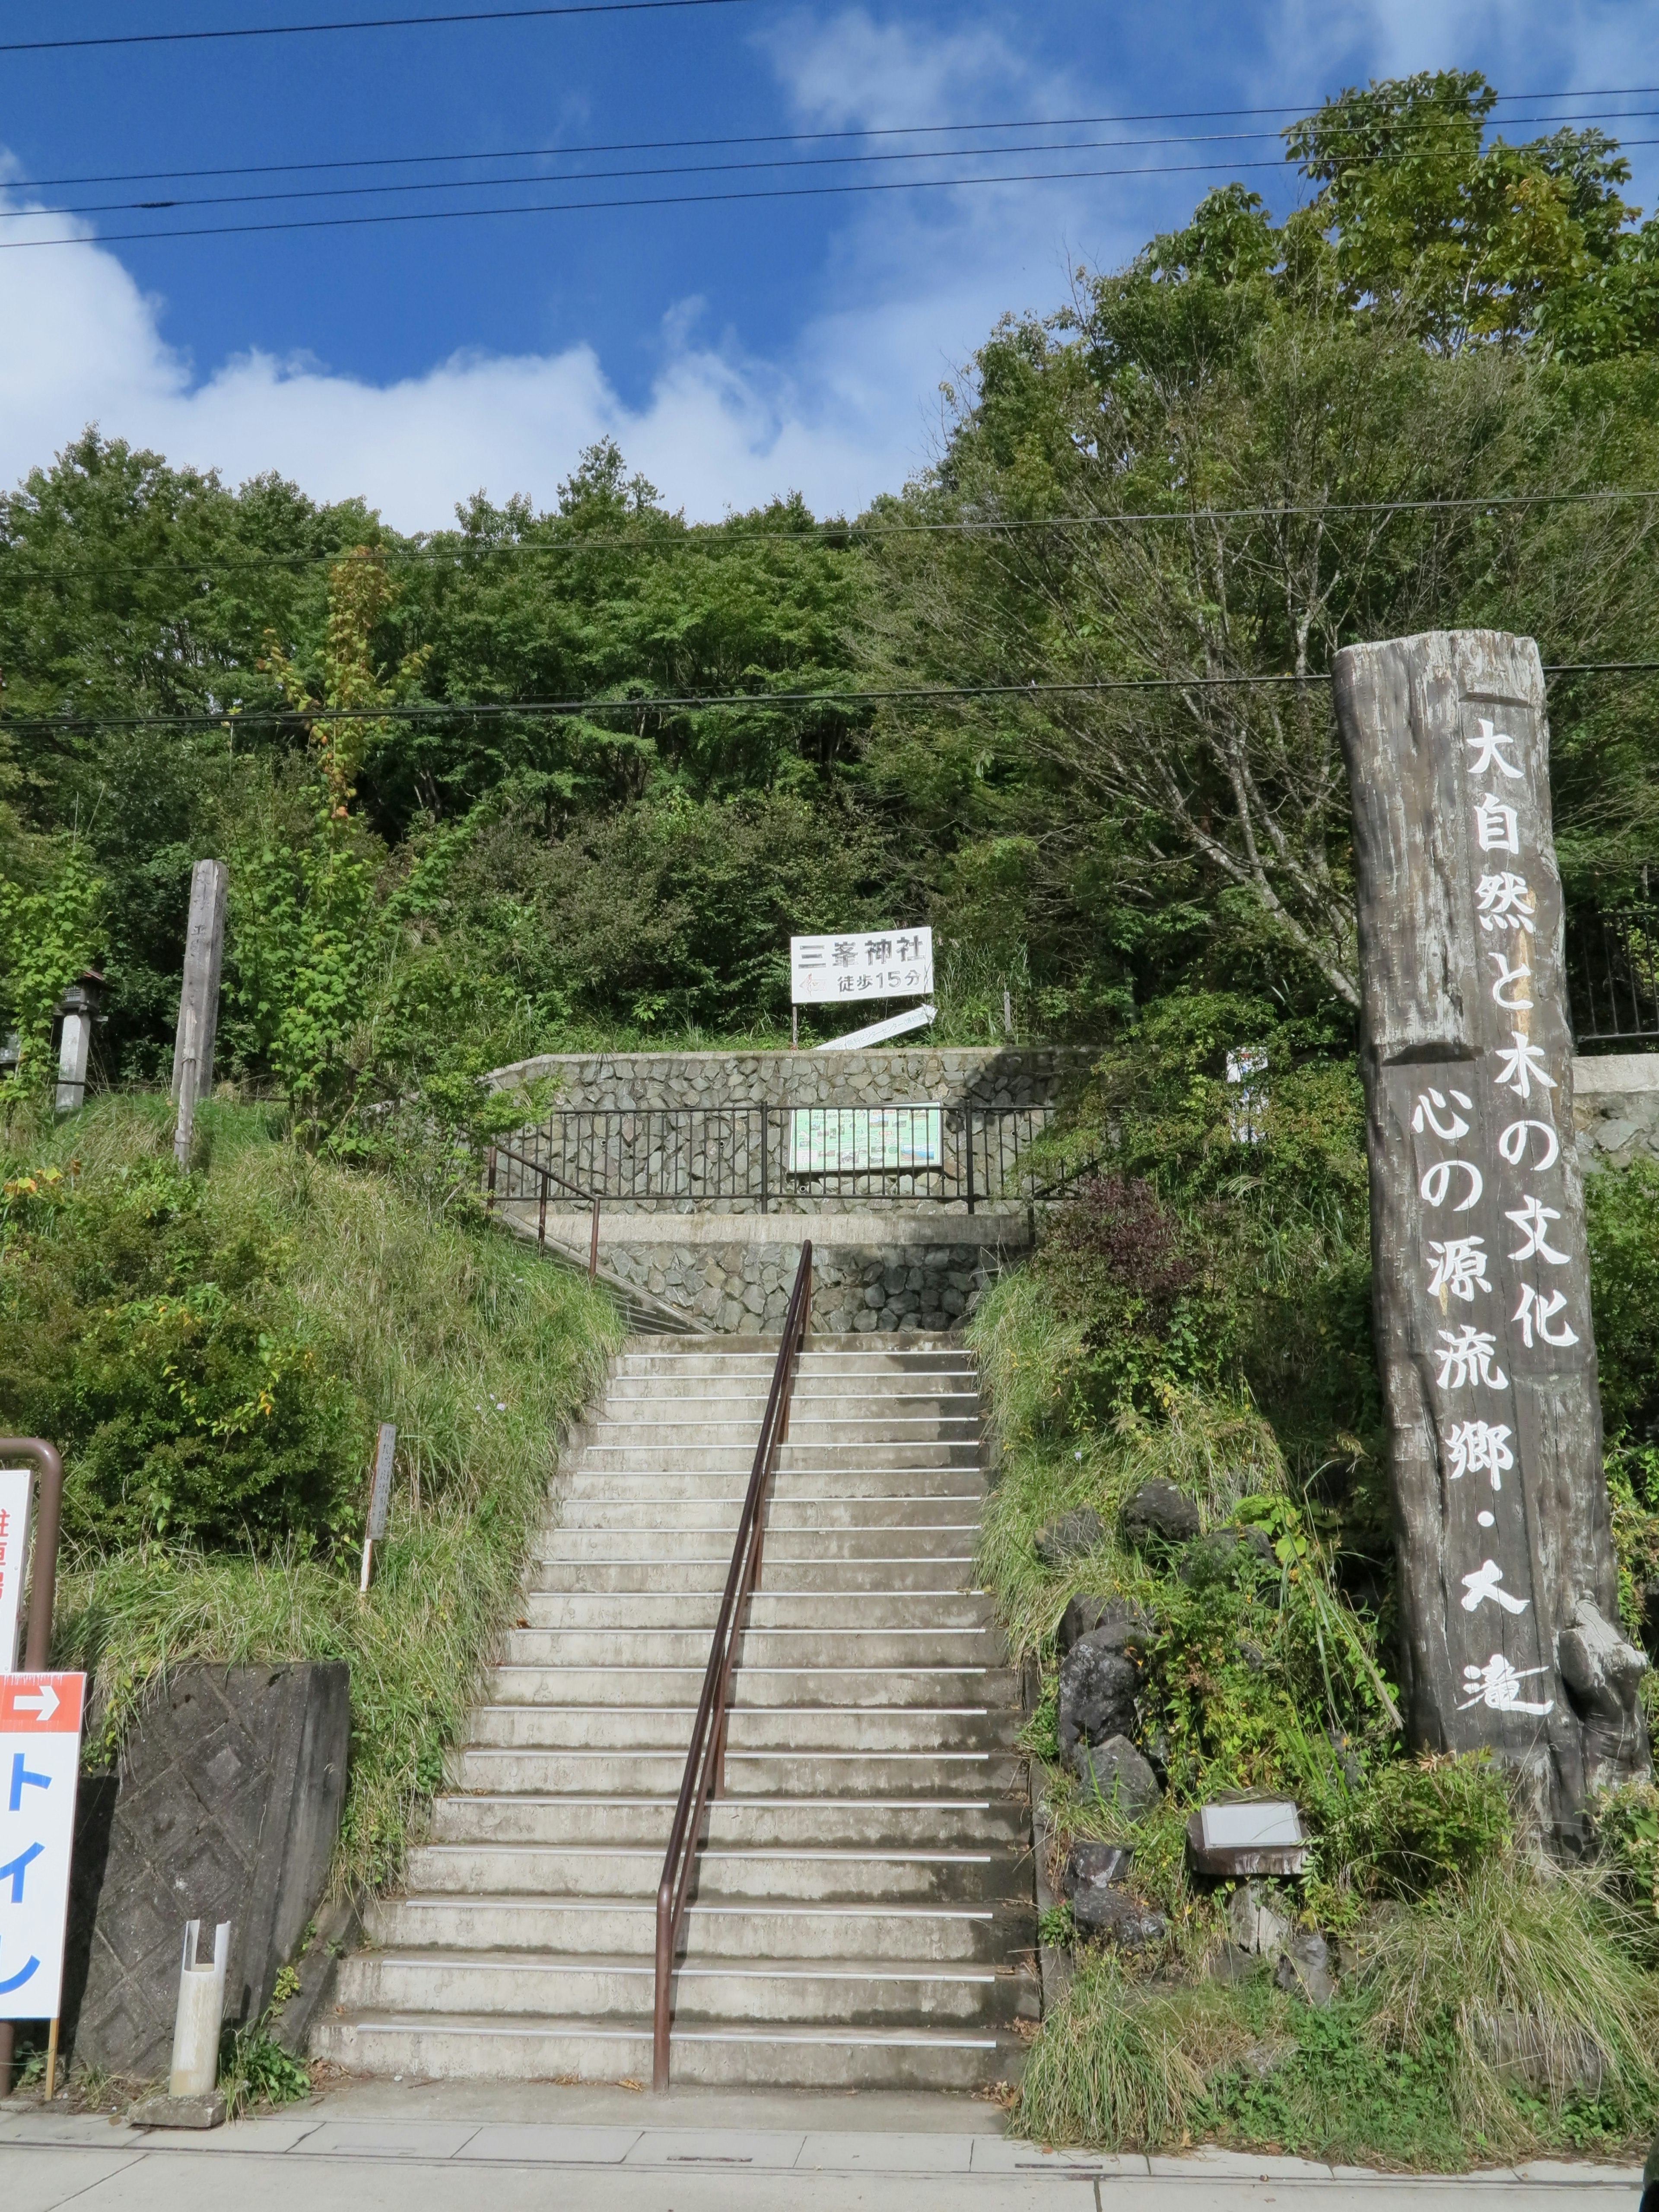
813	1366
634	1487
838	1992
490	2047
748	1930
955	1394
670	1518
651	1612
757	1686
656	1770
939	1875
882	1543
768	1823
867	1425
944	1577
653	1651
800	1731
735	1456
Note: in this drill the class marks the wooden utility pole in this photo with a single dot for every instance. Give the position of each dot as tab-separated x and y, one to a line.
1508	1589
199	1001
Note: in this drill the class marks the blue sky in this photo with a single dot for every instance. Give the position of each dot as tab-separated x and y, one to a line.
735	350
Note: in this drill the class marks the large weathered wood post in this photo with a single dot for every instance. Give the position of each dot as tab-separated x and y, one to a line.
1507	1582
198	1000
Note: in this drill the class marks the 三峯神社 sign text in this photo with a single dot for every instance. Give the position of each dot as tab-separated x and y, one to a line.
878	964
1508	1586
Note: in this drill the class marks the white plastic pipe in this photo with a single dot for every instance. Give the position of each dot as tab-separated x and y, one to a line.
201	2008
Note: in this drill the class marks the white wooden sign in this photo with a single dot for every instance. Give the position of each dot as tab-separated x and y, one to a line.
881	964
16	1489
40	1765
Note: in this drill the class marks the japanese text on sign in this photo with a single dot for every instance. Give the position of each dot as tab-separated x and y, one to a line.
39	1763
888	963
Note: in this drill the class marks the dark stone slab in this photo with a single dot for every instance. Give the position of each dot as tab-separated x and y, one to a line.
1118	1622
1158	1509
226	1806
1098	1686
1117	1770
1111	1915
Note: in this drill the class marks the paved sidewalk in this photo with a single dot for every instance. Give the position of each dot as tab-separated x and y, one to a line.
438	2148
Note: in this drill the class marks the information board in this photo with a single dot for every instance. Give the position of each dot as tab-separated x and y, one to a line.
40	1765
884	963
856	1140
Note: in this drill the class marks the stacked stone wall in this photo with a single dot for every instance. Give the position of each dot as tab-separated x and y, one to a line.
1616	1110
976	1075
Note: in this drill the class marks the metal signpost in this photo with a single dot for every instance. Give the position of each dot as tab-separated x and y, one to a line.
16	1495
40	1764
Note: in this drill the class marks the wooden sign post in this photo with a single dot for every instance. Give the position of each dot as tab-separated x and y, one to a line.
199	998
1508	1588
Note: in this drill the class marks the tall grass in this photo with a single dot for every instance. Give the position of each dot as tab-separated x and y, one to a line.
477	1349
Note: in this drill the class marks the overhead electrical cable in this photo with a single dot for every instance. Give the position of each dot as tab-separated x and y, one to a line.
357	23
533	182
465	554
750	138
445	709
638	200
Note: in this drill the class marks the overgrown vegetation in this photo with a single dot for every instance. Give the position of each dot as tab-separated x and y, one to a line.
206	1521
1198	1316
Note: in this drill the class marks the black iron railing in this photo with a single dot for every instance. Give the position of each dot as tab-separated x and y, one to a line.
1612	976
763	1157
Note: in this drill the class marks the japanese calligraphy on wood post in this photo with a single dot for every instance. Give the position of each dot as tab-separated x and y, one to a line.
1508	1589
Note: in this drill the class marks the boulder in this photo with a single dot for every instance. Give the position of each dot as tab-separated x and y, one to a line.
1257	1924
1117	1622
1068	1538
1095	1866
1112	1915
1116	1773
1159	1510
1602	1669
1304	1965
1097	1691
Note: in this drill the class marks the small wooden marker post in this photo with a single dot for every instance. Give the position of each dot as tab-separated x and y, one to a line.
198	1000
380	1500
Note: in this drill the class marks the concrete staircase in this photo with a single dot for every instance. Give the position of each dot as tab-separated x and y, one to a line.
863	1912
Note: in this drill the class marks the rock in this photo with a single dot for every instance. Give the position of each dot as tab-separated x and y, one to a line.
1229	1963
1519	2051
1304	1965
1602	1671
1220	1555
1118	1774
1097	1691
1069	1537
204	2112
1095	1866
1158	1509
1110	1914
1116	1622
1256	1923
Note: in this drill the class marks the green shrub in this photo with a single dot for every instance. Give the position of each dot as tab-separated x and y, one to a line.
1419	1823
1622	1217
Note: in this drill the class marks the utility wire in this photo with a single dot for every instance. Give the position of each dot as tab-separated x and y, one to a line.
360	23
794	161
654	200
446	709
705	537
760	138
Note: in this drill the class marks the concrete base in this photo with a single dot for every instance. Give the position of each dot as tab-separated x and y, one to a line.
207	2112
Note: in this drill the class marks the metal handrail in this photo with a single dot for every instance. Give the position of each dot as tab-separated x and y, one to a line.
547	1176
705	1762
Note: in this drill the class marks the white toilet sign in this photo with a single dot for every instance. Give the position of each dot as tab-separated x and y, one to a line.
878	963
40	1765
16	1488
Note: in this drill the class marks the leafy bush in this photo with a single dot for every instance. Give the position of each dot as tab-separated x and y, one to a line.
1419	1823
150	1331
1622	1217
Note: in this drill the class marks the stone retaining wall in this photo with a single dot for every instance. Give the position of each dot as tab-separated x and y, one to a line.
1615	1110
732	1272
979	1075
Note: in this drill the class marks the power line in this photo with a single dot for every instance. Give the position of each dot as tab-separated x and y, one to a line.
652	200
693	169
770	138
360	23
714	537
446	710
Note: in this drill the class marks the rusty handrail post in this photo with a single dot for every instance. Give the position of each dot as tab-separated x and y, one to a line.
593	1244
489	1198
705	1759
541	1212
43	1588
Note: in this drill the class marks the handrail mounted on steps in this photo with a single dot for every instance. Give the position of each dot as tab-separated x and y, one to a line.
705	1762
545	1176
